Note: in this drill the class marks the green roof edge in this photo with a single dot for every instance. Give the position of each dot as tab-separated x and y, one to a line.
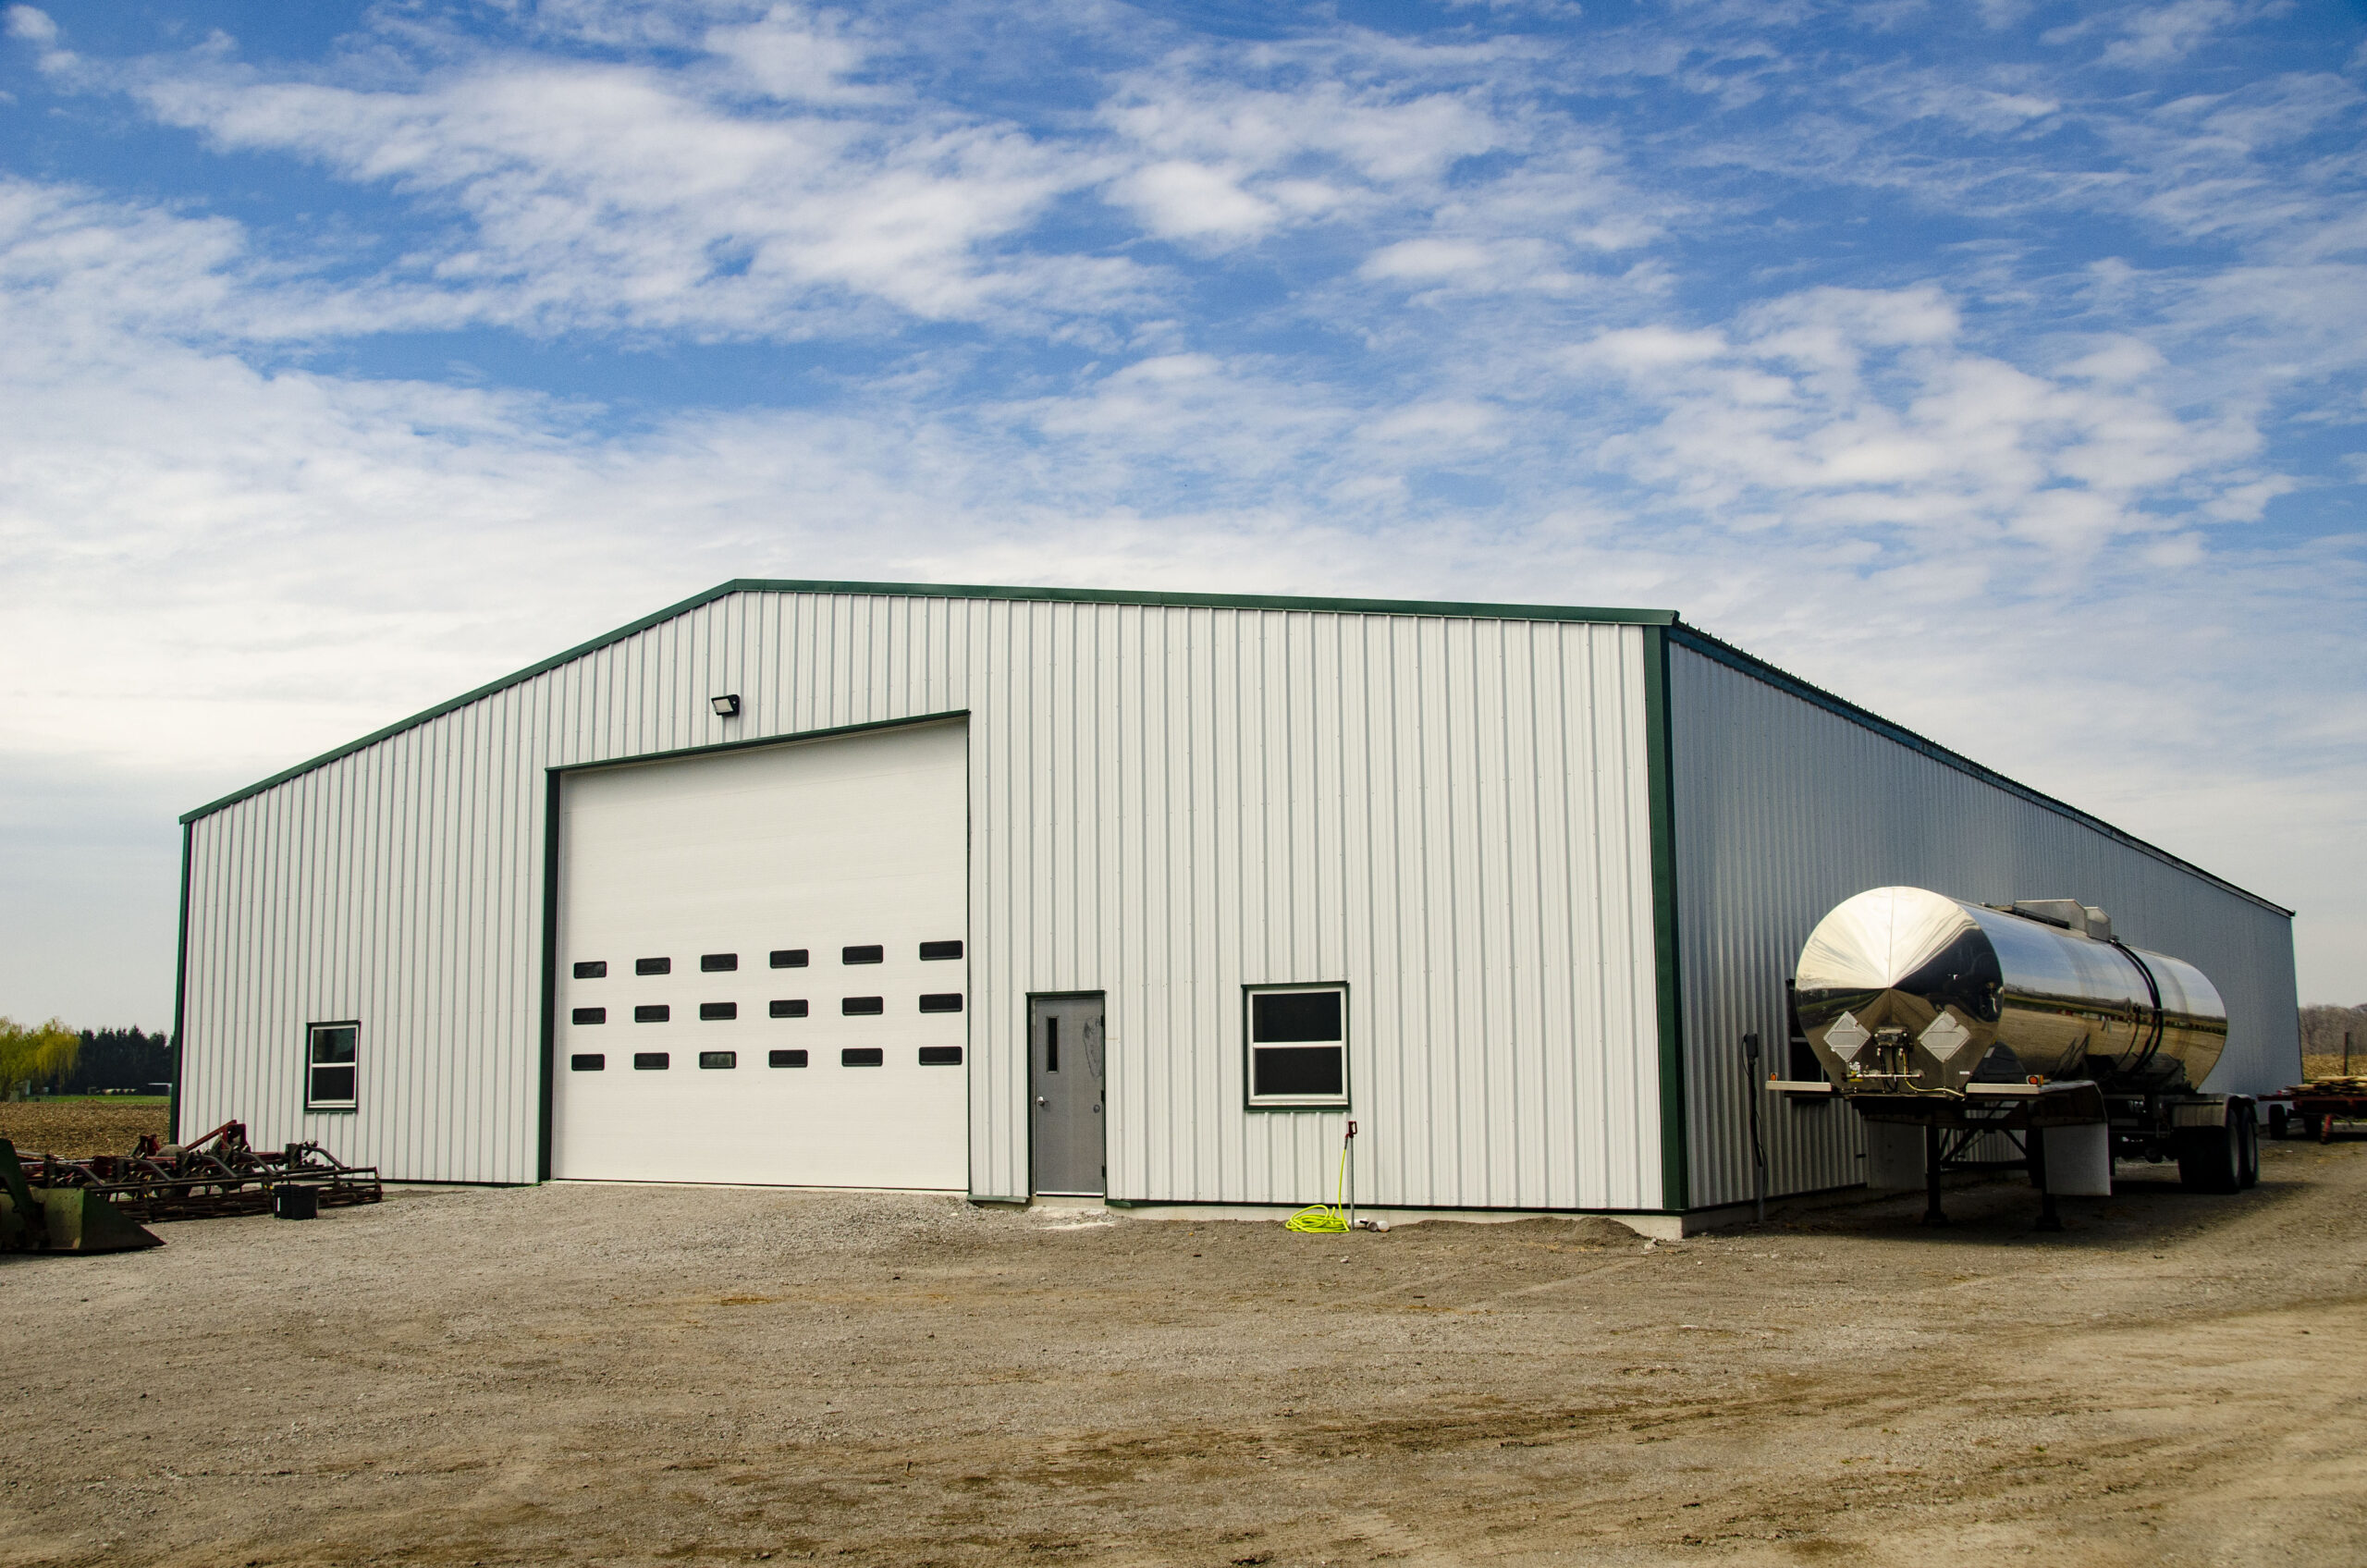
1692	637
948	591
1751	663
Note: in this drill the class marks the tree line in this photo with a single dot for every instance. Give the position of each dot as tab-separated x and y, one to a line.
50	1058
2324	1027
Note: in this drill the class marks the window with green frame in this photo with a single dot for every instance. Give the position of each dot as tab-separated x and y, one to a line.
332	1065
1297	1043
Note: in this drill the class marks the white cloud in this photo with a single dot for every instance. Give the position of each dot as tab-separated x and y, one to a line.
1177	199
615	195
1218	161
1848	409
793	56
1444	424
2155	35
32	25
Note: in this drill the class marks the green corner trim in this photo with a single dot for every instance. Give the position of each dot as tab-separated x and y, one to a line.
952	591
1676	1167
180	988
546	1085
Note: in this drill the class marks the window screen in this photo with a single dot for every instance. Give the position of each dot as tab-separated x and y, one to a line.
942	1001
592	969
330	1066
718	1059
875	953
587	1061
1278	1016
786	1059
653	966
941	1056
788	1007
649	1061
652	1012
862	1007
940	949
1298	1045
588	1016
862	1056
719	963
789	958
1297	1072
710	1012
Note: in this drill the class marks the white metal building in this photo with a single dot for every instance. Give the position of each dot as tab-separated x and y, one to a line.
1010	891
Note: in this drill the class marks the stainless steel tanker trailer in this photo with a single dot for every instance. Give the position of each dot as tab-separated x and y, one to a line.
1959	1030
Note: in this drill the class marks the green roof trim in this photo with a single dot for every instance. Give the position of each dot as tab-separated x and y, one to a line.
1452	608
1752	665
1684	636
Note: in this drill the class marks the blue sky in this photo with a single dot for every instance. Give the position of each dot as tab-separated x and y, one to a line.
1997	365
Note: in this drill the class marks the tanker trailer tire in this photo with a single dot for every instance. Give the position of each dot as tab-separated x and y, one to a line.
2246	1122
2209	1157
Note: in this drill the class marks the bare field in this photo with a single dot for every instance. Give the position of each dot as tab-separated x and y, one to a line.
76	1128
647	1375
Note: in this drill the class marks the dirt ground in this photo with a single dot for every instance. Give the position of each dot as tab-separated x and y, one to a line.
641	1375
75	1128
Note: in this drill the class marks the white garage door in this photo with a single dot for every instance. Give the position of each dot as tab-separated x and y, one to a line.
761	966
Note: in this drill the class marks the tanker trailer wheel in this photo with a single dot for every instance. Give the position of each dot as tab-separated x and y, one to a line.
2209	1157
2247	1120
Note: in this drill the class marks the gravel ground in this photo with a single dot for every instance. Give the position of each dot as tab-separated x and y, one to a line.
622	1374
75	1128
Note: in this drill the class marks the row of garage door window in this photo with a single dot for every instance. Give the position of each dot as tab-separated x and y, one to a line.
330	1061
782	958
792	1007
853	1056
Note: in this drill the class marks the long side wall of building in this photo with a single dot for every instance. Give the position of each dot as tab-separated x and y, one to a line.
1784	808
1167	803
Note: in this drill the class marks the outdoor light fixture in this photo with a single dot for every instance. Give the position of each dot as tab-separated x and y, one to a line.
727	706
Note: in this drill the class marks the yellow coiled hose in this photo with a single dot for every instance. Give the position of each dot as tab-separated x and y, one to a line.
1324	1220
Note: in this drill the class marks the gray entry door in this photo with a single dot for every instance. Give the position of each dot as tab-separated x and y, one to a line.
1065	1062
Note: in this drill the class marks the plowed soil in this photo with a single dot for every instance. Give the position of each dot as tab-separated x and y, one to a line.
634	1375
75	1128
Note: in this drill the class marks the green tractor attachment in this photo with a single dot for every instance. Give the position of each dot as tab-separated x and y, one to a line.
61	1218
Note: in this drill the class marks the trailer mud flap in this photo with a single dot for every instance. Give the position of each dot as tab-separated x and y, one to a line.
2077	1159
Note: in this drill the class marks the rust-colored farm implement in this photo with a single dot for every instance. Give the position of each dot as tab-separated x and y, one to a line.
101	1203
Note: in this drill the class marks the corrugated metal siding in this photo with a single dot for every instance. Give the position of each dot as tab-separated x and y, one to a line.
1784	808
1167	803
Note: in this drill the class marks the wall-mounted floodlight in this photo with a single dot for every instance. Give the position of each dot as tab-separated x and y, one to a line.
727	706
